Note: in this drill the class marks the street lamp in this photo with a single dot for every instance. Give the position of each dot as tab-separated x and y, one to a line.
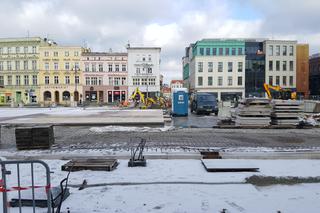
75	69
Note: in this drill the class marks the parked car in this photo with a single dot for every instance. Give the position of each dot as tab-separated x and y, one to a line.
205	103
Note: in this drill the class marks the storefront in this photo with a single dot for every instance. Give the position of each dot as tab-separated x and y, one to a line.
94	94
5	97
117	96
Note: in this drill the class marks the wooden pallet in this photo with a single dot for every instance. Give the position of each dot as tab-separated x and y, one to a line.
90	164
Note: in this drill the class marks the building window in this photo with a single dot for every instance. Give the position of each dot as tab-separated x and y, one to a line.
100	81
137	70
270	50
117	81
210	66
9	50
220	51
200	81
76	53
17	65
291	65
17	50
1	80
123	81
9	80
46	66
66	53
220	66
240	66
239	51
25	65
46	54
136	81
93	67
34	49
26	80
67	65
46	80
277	80
207	51
277	65
233	51
239	80
56	79
18	81
201	51
270	65
220	81
149	70
34	80
1	65
76	66
144	81
277	50
284	50
34	65
94	81
200	66
25	50
55	54
100	67
9	66
229	66
86	67
110	67
227	51
152	81
271	80
291	80
284	66
291	50
67	79
87	80
77	80
210	81
124	68
284	80
117	68
214	51
229	80
1	50
56	66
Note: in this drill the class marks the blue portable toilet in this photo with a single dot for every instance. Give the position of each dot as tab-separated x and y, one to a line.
180	100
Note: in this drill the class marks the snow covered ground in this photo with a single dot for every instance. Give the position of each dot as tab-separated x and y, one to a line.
184	186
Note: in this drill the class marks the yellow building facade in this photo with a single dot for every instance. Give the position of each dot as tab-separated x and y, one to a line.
60	75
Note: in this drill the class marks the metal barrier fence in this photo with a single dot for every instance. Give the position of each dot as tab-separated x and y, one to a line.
4	189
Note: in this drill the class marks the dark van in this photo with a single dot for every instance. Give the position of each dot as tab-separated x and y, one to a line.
206	103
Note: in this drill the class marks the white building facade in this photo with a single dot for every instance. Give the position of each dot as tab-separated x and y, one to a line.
144	70
280	63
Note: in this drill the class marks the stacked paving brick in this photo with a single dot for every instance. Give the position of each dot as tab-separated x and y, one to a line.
286	112
253	112
34	137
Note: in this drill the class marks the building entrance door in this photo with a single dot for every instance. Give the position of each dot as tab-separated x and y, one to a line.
56	96
18	97
123	95
109	97
116	96
101	96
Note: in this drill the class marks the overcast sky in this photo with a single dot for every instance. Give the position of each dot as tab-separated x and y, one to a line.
170	24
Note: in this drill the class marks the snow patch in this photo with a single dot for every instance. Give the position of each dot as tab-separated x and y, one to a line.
129	129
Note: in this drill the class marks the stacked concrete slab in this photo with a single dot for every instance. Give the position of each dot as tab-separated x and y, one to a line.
253	112
286	112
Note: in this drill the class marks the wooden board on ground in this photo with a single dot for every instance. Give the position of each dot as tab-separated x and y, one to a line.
227	165
90	164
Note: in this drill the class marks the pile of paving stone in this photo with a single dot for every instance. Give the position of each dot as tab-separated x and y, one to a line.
286	112
253	112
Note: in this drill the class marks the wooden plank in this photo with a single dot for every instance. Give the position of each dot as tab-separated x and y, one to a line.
228	166
90	164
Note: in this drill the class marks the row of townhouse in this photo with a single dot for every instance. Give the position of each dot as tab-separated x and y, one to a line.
233	68
41	72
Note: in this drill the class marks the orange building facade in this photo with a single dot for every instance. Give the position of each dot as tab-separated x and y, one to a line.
303	70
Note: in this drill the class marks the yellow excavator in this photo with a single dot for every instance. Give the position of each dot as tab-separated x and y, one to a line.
139	98
283	94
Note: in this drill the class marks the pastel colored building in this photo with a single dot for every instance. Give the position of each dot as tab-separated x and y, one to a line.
60	76
105	77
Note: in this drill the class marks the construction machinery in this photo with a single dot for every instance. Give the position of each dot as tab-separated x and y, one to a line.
282	93
141	101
